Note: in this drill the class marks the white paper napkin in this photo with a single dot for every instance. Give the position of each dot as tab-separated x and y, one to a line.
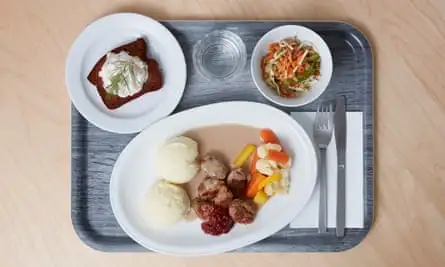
308	217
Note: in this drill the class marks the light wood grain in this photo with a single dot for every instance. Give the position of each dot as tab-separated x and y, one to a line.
409	44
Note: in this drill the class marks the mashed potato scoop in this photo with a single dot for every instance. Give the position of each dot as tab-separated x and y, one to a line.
166	204
176	160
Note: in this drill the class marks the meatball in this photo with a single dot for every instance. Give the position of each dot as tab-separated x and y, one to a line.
218	223
203	208
214	167
242	211
216	191
209	188
237	182
224	197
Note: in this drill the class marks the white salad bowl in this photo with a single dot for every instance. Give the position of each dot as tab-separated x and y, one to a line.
303	34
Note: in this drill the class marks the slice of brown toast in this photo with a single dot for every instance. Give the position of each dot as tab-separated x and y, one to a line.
154	82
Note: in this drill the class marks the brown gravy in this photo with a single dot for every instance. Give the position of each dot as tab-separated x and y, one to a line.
225	142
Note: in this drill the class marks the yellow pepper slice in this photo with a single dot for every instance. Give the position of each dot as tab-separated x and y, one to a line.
260	198
273	178
244	155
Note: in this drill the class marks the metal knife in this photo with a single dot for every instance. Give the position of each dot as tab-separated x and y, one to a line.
340	141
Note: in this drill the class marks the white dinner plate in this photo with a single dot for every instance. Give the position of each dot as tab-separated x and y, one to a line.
134	172
306	35
106	34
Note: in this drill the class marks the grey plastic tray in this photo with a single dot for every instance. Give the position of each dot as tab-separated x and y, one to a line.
94	151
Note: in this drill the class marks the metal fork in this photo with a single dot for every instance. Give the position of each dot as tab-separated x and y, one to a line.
323	126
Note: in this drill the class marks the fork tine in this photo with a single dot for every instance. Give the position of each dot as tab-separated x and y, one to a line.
324	113
329	114
317	118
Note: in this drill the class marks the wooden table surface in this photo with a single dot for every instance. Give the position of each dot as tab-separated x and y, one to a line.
409	43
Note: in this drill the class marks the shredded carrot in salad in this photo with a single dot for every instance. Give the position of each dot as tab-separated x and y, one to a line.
291	67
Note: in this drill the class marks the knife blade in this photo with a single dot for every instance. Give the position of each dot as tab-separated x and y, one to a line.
340	140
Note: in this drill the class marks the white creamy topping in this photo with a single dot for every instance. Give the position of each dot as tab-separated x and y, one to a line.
122	74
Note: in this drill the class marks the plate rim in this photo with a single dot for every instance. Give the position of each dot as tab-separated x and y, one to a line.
100	118
220	249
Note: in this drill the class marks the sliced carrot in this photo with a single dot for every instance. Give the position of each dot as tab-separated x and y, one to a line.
268	136
300	69
253	163
278	156
252	187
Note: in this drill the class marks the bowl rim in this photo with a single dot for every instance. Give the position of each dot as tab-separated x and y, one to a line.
282	101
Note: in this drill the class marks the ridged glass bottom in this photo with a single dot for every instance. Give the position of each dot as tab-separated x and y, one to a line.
220	55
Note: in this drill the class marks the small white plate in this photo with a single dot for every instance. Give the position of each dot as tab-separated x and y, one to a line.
134	173
106	34
304	34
